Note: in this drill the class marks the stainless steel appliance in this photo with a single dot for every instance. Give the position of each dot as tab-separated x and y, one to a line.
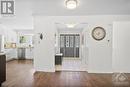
21	53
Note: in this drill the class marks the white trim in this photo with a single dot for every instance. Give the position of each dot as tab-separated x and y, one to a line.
45	70
100	72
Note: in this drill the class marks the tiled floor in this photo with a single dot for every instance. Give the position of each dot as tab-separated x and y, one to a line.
71	64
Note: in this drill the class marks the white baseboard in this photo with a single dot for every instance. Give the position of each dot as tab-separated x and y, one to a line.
107	72
44	70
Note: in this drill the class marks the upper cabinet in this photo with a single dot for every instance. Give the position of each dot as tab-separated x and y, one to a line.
10	36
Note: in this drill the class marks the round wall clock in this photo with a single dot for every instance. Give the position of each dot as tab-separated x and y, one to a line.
98	33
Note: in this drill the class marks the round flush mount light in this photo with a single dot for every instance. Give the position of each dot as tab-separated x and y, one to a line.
71	25
71	4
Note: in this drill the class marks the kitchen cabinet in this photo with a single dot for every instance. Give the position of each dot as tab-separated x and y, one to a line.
9	34
2	68
11	53
29	53
25	53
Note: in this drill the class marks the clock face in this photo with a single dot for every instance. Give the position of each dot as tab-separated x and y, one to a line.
98	33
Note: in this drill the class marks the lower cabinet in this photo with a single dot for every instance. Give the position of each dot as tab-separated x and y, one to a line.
2	69
10	54
29	53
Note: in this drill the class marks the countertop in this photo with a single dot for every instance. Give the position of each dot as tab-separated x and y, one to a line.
25	47
59	54
2	53
20	48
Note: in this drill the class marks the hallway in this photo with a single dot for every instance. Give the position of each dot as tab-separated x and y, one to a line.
71	64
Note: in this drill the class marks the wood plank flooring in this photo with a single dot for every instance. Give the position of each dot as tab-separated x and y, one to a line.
20	73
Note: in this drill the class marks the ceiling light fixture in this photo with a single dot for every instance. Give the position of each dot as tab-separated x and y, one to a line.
71	4
70	25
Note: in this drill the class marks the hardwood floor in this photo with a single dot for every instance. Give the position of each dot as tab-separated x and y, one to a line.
21	74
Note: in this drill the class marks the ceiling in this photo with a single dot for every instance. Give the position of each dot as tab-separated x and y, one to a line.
25	9
86	7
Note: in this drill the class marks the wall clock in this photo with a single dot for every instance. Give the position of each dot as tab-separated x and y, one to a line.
98	33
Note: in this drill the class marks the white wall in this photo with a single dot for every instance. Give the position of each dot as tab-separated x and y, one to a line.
57	50
100	53
45	50
121	47
99	58
84	47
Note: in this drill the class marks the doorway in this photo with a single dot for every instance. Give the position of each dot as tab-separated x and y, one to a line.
70	45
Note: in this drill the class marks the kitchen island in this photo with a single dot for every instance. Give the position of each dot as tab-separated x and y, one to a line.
2	68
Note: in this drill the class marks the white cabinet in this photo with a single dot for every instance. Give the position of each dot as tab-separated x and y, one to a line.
29	53
9	34
10	54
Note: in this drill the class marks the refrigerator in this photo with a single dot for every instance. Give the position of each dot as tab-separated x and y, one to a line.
1	43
